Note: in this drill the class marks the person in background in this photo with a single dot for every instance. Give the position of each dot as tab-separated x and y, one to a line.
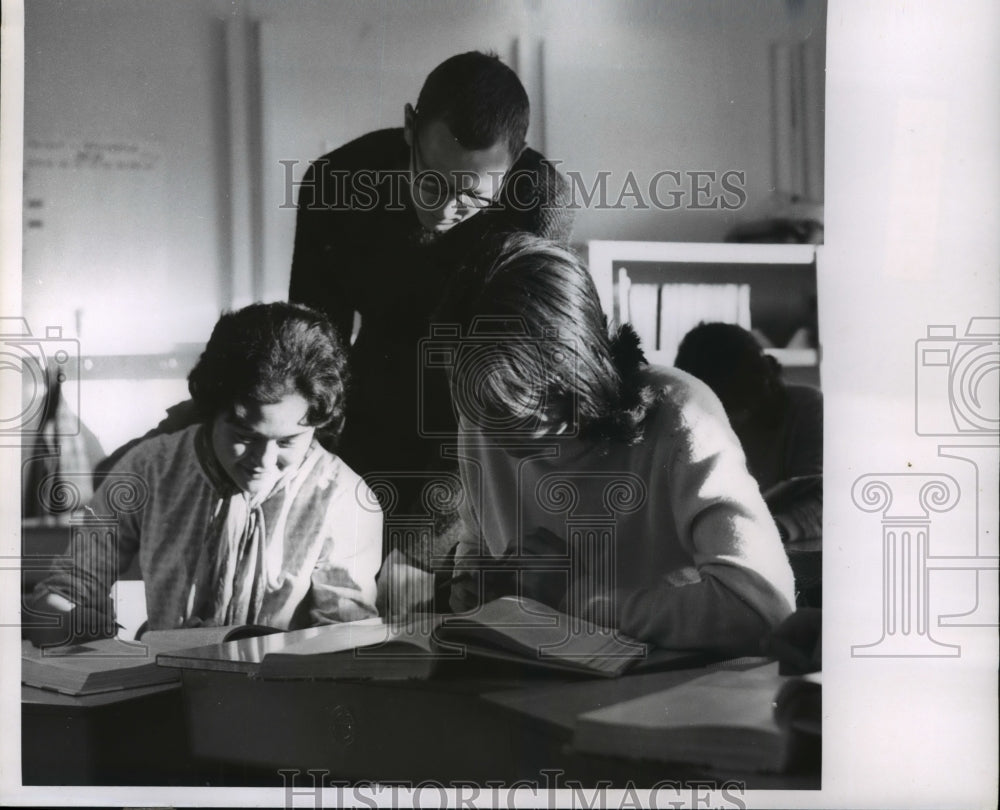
779	425
243	517
385	225
563	423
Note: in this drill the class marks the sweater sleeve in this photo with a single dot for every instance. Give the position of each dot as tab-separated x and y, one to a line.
94	558
741	585
342	587
315	280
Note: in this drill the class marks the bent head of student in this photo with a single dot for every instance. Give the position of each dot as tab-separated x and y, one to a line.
271	376
536	357
465	133
730	361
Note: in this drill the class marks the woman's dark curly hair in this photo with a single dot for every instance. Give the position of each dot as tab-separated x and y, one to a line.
536	346
728	359
264	352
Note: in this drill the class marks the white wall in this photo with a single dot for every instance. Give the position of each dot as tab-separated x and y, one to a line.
140	264
217	92
622	86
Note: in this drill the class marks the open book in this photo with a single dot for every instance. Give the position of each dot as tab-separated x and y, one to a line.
725	719
511	628
181	637
110	664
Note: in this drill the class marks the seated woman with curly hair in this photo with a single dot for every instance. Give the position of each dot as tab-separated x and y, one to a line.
243	517
612	489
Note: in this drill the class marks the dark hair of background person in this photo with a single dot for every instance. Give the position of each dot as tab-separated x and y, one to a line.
480	99
555	360
728	359
264	352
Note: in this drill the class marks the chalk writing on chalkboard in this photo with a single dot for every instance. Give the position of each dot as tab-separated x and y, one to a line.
100	155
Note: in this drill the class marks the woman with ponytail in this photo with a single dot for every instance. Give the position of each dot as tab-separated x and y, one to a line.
596	483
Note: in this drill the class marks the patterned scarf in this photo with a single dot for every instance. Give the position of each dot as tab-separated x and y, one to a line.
231	574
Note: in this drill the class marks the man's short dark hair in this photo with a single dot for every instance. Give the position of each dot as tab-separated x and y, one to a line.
264	352
480	99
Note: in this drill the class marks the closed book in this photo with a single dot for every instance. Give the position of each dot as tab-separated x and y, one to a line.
725	720
103	665
110	664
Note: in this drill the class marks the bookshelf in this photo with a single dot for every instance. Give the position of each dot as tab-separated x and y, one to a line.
770	289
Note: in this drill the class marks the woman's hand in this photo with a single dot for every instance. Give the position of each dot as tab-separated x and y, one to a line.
58	621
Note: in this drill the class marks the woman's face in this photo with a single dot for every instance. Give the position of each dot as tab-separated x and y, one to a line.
256	442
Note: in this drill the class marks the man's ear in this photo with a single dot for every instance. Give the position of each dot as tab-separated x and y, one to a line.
409	121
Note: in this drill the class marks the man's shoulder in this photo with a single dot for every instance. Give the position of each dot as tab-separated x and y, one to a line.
543	171
381	149
540	194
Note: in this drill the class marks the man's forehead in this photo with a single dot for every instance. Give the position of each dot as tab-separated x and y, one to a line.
443	152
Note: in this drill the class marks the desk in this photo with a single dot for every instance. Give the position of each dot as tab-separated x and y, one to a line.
134	736
454	728
227	729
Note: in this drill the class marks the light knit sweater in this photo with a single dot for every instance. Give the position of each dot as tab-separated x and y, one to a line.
322	538
697	562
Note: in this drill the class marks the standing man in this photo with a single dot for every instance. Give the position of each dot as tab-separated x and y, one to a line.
387	222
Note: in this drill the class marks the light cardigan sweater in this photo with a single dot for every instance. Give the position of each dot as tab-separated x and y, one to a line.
697	561
322	539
